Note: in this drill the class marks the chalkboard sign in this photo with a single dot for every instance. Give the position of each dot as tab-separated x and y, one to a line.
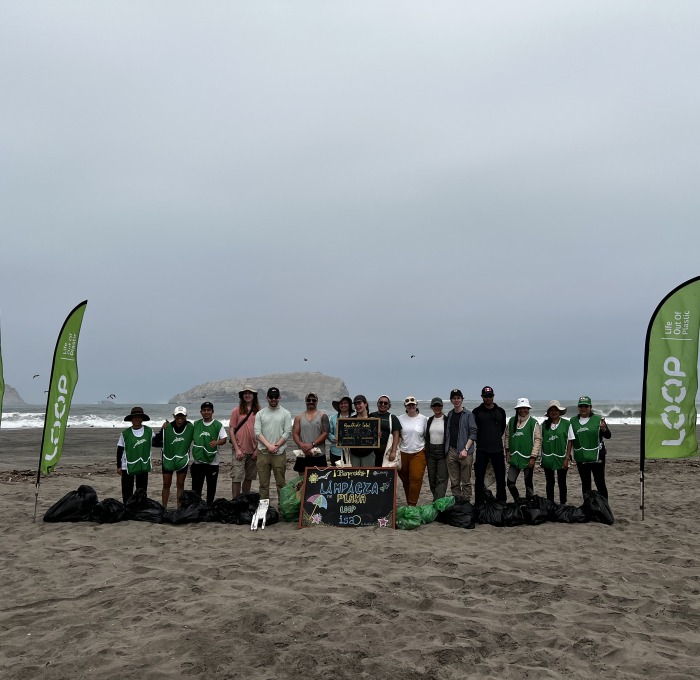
358	433
349	497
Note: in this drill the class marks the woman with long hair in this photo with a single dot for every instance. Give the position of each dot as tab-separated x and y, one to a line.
243	444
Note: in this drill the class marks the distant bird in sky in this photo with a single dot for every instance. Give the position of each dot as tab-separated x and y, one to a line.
112	396
413	356
35	376
305	359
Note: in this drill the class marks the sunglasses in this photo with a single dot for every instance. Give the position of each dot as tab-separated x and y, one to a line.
382	403
311	401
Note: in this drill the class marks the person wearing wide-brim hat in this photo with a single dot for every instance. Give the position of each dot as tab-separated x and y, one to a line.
244	446
586	433
134	453
343	408
522	442
555	457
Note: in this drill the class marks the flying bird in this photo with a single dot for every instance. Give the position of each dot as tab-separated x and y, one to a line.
305	359
413	356
35	376
112	396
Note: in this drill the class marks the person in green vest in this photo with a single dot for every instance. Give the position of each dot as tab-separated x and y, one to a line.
555	456
586	434
134	453
209	434
522	443
176	439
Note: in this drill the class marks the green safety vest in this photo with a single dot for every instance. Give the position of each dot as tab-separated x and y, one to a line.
554	445
521	442
586	442
176	447
137	450
203	434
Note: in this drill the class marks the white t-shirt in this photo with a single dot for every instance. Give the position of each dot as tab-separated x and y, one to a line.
412	433
437	431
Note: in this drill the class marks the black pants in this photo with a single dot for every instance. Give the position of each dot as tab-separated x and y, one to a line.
128	480
561	483
199	473
513	474
585	470
498	463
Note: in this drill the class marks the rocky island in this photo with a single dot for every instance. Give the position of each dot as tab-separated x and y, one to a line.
292	387
12	397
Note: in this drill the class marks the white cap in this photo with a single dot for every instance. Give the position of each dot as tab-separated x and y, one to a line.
180	411
522	403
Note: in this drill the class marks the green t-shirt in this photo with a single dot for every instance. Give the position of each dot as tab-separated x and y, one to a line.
137	450
203	434
586	443
521	441
554	445
176	447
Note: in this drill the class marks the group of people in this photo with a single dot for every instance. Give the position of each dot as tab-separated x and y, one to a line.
449	445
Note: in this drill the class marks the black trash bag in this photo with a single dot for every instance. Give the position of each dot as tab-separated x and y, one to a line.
513	514
223	511
192	509
75	506
596	508
140	508
569	514
108	511
491	511
272	516
246	504
537	509
462	514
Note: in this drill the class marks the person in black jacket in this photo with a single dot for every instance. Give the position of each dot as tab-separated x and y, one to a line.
491	423
435	450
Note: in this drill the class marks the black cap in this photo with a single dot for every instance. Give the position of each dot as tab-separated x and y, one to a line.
456	393
207	404
273	392
487	391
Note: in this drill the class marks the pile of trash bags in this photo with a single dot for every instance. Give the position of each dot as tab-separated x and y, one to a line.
82	505
458	512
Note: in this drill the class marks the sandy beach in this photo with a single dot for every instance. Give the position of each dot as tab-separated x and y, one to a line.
218	601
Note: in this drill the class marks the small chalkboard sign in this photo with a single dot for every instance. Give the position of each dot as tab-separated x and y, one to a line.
358	433
349	497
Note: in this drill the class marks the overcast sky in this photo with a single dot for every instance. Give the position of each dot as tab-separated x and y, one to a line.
505	190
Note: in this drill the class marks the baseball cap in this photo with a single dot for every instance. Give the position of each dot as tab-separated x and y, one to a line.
585	401
436	401
273	392
487	391
456	393
207	404
409	400
180	411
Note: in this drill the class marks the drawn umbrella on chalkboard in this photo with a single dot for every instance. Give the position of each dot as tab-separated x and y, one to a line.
319	501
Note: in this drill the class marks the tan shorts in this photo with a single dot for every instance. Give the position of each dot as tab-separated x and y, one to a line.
245	469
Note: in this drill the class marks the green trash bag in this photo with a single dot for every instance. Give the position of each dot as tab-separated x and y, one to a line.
428	513
407	517
442	504
290	499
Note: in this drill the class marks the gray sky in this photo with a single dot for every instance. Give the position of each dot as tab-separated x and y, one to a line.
505	190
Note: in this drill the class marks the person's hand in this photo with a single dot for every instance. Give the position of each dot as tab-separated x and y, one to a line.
274	448
240	455
214	443
165	424
463	453
566	464
392	456
531	462
603	425
119	471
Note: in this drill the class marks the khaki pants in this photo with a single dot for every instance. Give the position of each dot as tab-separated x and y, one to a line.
460	471
268	463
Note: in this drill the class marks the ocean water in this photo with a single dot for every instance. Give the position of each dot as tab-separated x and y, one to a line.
112	415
